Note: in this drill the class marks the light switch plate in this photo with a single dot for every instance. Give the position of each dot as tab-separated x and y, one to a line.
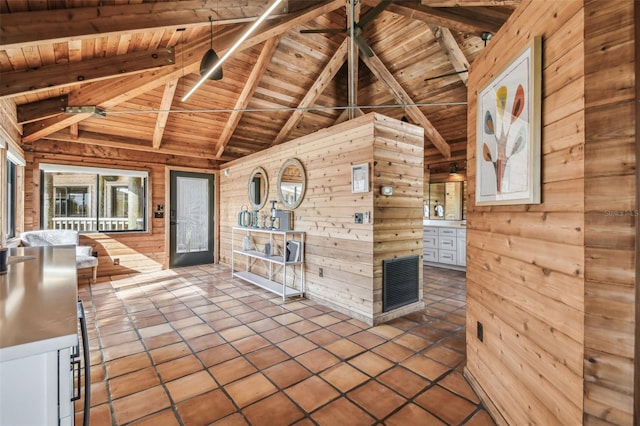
358	217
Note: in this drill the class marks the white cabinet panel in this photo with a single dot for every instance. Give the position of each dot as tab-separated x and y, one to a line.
462	251
446	246
430	255
447	256
430	241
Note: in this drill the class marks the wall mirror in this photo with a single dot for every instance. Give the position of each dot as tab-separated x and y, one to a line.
291	183
446	201
258	188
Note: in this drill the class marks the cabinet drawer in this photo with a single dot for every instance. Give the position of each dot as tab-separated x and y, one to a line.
447	243
430	242
447	256
430	255
462	233
449	232
429	230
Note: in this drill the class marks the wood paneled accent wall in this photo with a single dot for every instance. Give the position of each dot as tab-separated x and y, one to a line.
137	251
554	284
349	254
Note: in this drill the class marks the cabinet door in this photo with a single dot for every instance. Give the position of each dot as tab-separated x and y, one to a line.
447	243
429	230
447	232
430	255
447	256
462	251
429	241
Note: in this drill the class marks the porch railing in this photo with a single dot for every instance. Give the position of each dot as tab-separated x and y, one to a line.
81	224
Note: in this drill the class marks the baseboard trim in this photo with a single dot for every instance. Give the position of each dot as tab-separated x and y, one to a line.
492	409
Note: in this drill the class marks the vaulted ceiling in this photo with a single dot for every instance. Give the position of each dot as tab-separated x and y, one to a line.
132	61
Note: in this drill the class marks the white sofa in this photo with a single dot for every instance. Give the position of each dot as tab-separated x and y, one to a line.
57	237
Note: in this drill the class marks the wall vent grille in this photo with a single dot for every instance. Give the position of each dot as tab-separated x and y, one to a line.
400	282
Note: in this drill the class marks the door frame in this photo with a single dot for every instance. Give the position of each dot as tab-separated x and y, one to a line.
167	203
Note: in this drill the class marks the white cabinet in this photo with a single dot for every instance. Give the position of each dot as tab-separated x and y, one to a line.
444	246
280	255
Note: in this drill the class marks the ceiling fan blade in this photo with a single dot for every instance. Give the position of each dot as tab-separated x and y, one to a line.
364	47
373	13
324	30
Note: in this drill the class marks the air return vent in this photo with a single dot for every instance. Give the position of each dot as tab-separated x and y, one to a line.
400	281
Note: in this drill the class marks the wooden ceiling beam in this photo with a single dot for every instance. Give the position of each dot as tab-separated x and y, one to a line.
62	25
316	89
450	47
110	93
42	109
470	3
438	16
74	73
248	89
383	74
119	142
163	115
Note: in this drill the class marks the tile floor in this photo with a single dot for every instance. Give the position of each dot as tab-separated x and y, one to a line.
193	346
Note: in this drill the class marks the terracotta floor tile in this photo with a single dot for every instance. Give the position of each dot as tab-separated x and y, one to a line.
286	373
366	339
229	371
155	330
118	338
411	414
445	405
205	409
140	404
236	333
279	334
274	410
322	337
454	343
344	329
99	416
317	360
99	393
235	419
371	363
325	320
164	418
250	317
186	322
266	357
456	383
250	344
308	312
125	349
386	331
207	341
224	323
217	354
342	412
376	399
161	340
178	315
127	364
250	389
303	327
344	348
403	381
195	331
311	393
415	343
263	325
150	321
133	382
481	418
176	368
393	351
402	323
425	367
288	318
296	346
428	333
344	377
444	355
189	386
167	353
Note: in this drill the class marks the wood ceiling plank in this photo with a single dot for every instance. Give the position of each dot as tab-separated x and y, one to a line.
465	3
324	78
117	91
384	75
49	26
163	115
44	78
248	89
452	50
438	16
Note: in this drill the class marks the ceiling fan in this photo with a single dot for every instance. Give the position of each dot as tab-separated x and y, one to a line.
369	16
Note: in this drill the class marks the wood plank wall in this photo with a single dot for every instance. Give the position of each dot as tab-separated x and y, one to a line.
554	284
610	212
137	252
525	263
349	254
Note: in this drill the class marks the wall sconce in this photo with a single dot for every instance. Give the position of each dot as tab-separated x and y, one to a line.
226	172
386	190
454	169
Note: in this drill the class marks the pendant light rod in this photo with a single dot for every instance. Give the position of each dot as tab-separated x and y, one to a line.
233	48
211	32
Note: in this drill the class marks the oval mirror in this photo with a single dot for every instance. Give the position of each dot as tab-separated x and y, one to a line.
258	188
291	183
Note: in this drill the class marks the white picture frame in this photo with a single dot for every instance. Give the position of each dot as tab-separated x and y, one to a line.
360	178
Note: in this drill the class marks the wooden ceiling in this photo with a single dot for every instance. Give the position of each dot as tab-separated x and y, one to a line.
136	59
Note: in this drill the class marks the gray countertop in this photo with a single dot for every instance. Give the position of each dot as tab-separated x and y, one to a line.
38	301
445	223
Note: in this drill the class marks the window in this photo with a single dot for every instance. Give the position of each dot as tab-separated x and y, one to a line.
92	199
10	231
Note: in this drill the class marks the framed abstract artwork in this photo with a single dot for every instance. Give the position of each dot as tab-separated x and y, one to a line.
508	132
